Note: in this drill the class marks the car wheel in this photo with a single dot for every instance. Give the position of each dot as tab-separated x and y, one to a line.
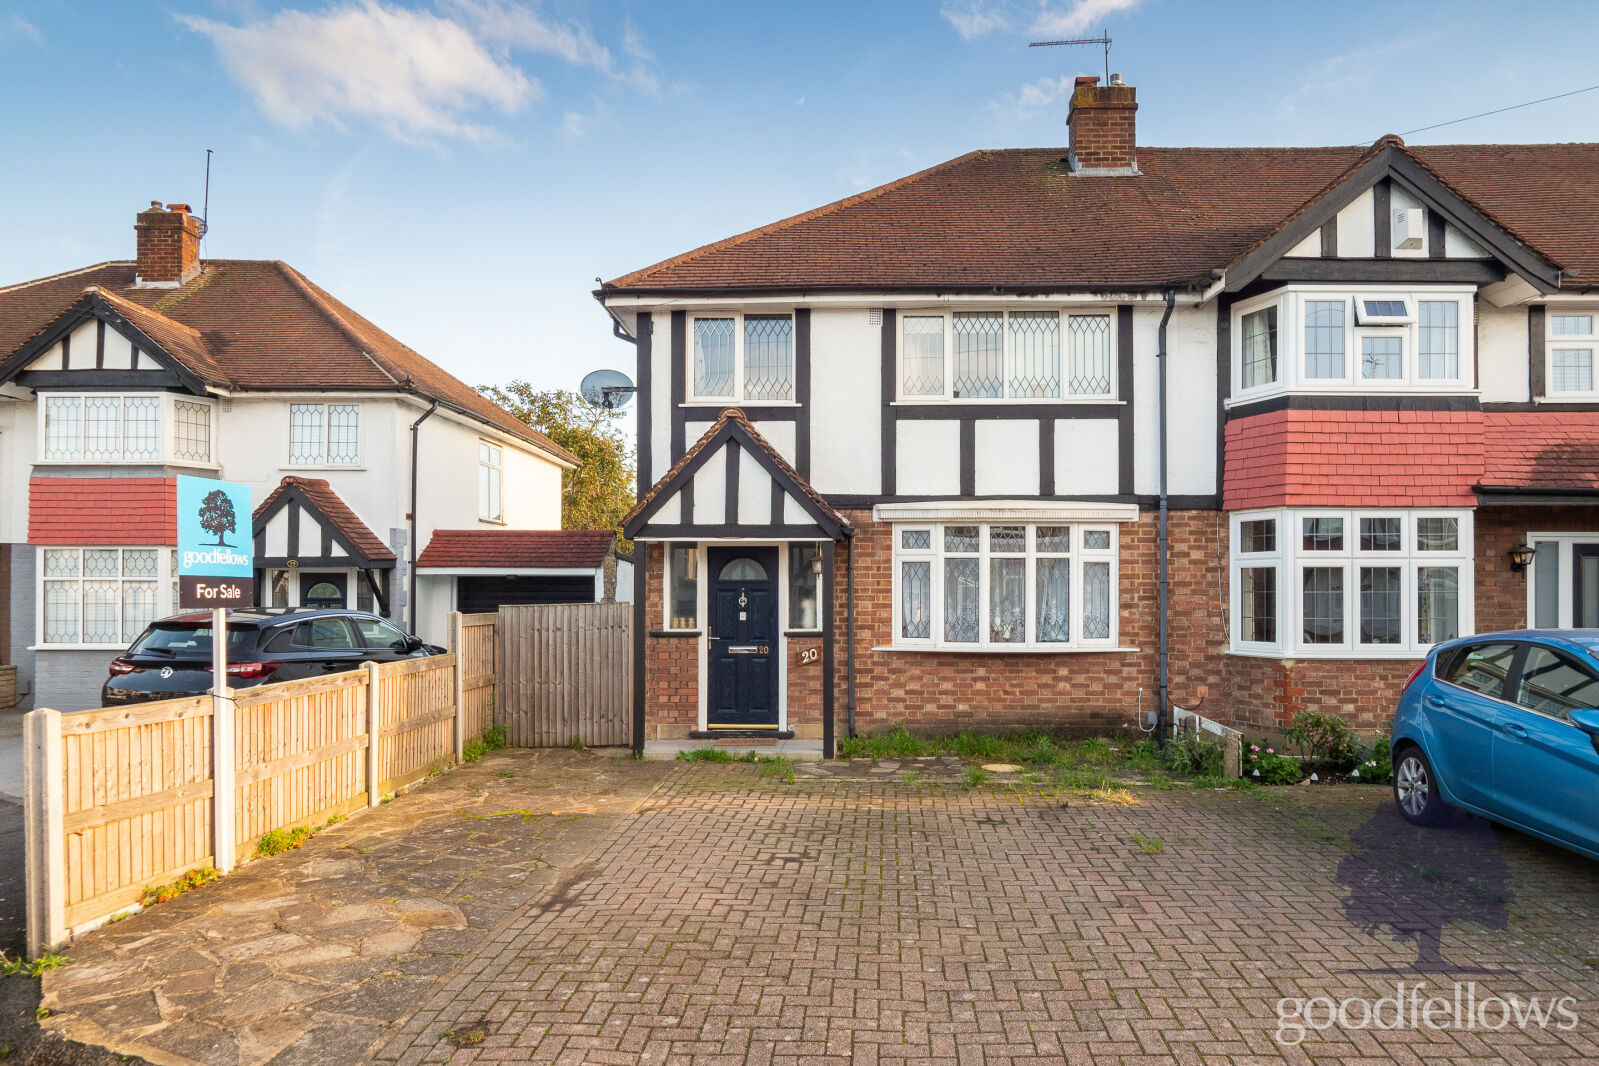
1416	789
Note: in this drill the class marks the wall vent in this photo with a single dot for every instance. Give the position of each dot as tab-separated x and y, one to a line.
874	316
1410	229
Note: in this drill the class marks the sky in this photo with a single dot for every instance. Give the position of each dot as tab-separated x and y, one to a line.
461	171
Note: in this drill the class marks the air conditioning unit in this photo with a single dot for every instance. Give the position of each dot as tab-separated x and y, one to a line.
1410	229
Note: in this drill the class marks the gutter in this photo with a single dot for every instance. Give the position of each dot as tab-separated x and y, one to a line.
1164	688
410	602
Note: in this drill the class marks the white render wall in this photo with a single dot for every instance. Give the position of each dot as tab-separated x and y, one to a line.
846	402
1502	357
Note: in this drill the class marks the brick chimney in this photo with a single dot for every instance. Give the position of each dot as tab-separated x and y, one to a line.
169	245
1102	127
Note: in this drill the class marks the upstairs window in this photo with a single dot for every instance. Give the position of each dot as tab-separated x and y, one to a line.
1572	342
743	358
101	428
324	434
191	431
489	472
1317	339
1006	355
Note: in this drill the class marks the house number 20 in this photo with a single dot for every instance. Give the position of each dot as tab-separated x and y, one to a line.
809	655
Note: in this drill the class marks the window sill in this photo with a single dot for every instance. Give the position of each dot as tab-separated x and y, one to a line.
321	466
163	461
115	648
493	522
730	402
1345	389
977	401
1569	397
1344	653
676	632
947	649
803	633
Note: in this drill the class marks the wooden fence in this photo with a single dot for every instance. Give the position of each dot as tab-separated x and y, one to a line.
124	798
565	671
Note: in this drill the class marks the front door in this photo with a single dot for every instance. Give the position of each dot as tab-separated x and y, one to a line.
323	590
1585	586
743	638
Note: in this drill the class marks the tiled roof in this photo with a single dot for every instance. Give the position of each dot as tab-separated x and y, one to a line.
335	510
1550	450
1015	219
256	324
102	511
518	549
733	414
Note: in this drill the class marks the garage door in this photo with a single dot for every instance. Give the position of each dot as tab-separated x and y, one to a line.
478	594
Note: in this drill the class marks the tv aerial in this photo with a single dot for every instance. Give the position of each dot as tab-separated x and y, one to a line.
607	389
1102	39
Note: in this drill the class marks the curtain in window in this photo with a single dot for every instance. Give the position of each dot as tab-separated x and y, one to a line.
1381	593
1090	354
1260	347
1096	601
1438	339
768	357
684	605
1035	354
1323	604
713	357
916	600
923	356
1007	601
1438	604
1257	594
1054	600
961	606
979	370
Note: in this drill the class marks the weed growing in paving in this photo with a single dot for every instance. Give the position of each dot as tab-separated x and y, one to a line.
506	773
493	739
975	775
31	967
277	841
196	877
778	766
1148	843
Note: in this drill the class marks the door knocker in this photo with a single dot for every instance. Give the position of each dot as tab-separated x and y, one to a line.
743	601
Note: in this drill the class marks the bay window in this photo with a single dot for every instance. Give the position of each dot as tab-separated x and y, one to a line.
1011	586
1359	583
1317	338
1570	350
1006	355
102	596
106	427
742	358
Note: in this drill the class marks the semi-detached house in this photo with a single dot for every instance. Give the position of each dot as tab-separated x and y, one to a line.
1033	435
116	378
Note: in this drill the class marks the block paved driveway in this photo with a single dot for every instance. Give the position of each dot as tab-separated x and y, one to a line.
737	918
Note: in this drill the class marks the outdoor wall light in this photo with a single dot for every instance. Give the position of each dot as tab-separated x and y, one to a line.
1520	556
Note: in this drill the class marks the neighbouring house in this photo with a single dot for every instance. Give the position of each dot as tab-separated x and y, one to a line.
119	376
1044	435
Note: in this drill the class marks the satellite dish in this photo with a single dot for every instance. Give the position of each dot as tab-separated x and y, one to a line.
608	389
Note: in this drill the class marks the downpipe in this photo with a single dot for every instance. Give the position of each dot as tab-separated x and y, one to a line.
1163	704
410	602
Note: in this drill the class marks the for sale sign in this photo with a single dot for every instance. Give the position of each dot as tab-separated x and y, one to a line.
216	566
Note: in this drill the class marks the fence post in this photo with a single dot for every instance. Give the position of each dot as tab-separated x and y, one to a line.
224	827
374	735
43	791
458	648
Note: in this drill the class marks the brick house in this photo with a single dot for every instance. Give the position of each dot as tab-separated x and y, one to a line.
115	378
1045	435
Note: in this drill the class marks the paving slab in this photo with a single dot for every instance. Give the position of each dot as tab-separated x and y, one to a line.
309	956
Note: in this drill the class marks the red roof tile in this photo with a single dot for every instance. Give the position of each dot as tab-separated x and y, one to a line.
104	511
518	549
257	324
1551	450
1015	219
320	495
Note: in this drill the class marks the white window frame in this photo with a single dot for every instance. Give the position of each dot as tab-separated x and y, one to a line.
935	555
692	399
166	591
948	396
322	462
1366	318
700	559
166	432
1291	347
1291	560
495	465
1557	342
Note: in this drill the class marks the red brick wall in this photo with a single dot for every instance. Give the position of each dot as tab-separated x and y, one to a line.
1266	693
102	510
1103	131
168	244
671	663
1342	458
1502	593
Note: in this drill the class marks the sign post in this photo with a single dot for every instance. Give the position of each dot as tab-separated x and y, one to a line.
216	570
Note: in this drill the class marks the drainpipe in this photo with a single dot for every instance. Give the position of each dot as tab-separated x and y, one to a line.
849	629
415	436
1163	706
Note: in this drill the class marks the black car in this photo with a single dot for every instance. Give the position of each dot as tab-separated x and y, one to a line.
172	657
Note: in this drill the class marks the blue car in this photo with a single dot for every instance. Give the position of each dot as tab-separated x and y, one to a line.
1506	726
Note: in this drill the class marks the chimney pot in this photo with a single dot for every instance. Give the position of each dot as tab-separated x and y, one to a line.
1088	79
180	207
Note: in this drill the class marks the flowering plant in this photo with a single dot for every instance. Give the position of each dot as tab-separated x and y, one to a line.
1269	768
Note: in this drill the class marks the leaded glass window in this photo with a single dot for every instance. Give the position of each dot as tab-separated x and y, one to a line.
1096	600
979	370
1381	611
1324	338
713	357
324	434
961	603
98	595
1090	354
191	431
1035	354
922	369
916	599
1571	370
1438	339
769	358
102	428
995	355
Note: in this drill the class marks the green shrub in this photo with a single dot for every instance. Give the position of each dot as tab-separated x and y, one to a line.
1273	768
277	841
1374	766
493	739
1145	755
1326	739
1194	755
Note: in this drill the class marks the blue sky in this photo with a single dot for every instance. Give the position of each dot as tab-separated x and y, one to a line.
461	170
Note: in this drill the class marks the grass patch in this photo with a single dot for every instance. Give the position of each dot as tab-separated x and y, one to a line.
897	743
506	773
200	875
778	766
491	739
975	776
1148	843
910	777
705	755
21	967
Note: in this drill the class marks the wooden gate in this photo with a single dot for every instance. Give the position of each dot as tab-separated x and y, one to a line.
565	671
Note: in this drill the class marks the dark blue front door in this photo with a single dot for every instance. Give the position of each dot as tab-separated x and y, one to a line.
743	637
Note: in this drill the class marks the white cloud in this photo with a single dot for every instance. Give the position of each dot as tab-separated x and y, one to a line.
1032	98
14	27
412	74
1336	77
523	27
975	18
576	125
1079	16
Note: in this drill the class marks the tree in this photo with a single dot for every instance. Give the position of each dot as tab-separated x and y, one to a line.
216	515
1416	881
600	492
